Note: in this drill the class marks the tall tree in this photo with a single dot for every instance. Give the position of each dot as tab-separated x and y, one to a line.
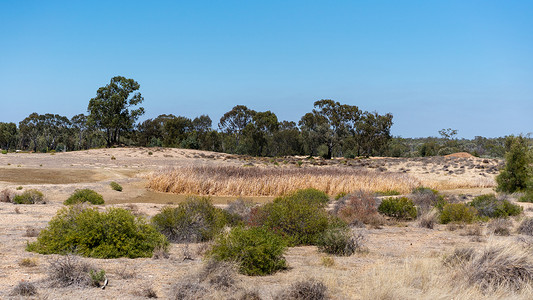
111	110
373	133
8	135
517	174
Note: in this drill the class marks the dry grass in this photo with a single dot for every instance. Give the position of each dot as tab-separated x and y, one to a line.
255	181
457	183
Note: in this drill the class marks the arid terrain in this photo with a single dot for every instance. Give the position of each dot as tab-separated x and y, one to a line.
403	261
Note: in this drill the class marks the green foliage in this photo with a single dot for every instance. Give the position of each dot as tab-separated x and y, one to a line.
29	197
115	186
489	205
388	193
340	195
88	232
195	220
527	196
457	212
85	195
256	250
97	277
309	196
400	208
517	173
300	220
4	151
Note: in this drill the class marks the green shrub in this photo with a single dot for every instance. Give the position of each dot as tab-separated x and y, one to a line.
527	196
400	208
309	196
457	212
388	193
88	232
85	195
516	175
256	250
4	151
300	222
425	199
489	205
115	186
340	195
29	197
195	220
341	241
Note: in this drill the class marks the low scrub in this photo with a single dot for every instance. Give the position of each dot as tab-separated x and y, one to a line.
309	196
88	232
400	208
490	206
527	196
341	241
500	226
495	266
428	220
526	227
310	289
85	195
6	195
457	213
24	288
115	186
29	197
425	199
298	220
357	207
257	251
70	270
195	220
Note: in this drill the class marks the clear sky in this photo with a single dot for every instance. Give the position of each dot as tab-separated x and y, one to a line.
462	64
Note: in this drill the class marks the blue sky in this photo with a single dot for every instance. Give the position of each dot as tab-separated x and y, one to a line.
467	65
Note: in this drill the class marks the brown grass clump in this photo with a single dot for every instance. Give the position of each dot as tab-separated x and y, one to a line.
24	288
6	195
500	226
187	290
28	262
526	227
218	274
428	219
70	270
31	232
310	289
256	181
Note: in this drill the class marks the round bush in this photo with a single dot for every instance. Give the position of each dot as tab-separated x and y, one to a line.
309	196
526	227
85	195
88	232
490	206
195	220
400	208
340	241
115	186
457	212
299	222
256	250
29	197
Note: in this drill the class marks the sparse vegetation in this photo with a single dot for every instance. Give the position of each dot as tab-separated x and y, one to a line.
526	227
310	289
356	207
6	195
256	250
24	288
85	195
109	234
401	208
500	226
70	270
115	186
195	220
29	197
425	199
28	262
342	241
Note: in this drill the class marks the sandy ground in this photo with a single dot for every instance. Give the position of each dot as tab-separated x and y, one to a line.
58	175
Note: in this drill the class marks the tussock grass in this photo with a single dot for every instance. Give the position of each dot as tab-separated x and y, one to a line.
241	181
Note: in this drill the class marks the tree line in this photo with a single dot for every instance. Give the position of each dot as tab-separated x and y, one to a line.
331	129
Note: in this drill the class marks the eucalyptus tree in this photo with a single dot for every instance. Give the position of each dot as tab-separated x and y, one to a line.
112	108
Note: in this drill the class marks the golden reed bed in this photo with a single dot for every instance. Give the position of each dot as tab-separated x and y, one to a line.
253	181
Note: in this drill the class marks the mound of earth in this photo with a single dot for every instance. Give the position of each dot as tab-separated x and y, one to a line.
460	154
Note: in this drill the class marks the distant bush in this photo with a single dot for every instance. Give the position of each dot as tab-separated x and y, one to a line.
310	196
88	232
115	186
527	196
29	197
427	220
195	220
240	209
299	220
489	205
457	212
257	251
4	151
425	199
359	206
6	195
341	241
85	195
400	208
